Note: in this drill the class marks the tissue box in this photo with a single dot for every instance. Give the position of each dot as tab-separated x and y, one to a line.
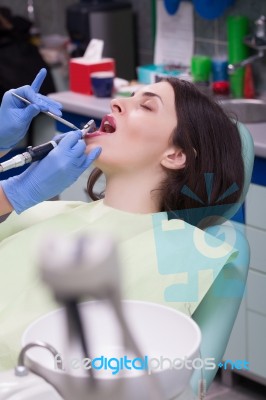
80	70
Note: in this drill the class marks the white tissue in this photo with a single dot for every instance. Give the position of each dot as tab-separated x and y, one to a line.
94	50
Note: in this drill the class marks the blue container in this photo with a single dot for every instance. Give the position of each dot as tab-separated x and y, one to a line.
219	70
211	9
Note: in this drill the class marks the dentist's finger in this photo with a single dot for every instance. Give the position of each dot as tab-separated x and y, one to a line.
42	102
70	139
31	111
94	153
46	104
59	136
79	148
38	81
49	101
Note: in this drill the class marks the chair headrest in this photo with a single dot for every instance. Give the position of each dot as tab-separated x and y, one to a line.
248	160
203	216
248	157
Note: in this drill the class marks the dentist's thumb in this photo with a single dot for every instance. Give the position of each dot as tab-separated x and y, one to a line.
94	153
31	111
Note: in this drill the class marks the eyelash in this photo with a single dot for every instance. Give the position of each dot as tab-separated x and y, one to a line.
146	107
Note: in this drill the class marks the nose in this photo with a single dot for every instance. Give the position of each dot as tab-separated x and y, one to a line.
118	105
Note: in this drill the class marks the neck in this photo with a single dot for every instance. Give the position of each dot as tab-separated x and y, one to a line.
133	192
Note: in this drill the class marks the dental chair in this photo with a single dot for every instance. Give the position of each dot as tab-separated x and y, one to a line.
218	310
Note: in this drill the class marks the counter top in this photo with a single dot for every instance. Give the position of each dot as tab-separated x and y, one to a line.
258	132
95	107
82	104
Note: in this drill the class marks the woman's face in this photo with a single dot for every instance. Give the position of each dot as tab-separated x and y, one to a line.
136	133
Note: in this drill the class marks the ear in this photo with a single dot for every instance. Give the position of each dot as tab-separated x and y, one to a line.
174	158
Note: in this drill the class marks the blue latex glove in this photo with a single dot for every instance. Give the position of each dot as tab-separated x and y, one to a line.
16	116
50	176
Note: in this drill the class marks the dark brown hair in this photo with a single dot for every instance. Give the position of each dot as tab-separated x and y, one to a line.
212	144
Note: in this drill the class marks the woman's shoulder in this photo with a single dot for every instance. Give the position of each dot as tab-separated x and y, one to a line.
47	209
37	214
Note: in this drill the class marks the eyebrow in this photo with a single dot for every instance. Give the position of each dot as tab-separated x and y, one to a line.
149	94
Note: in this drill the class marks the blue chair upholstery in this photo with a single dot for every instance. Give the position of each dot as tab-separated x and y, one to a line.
218	310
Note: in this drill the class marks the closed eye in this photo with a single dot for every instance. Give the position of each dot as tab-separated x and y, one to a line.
146	107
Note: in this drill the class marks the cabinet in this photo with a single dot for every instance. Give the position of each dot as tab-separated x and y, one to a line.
247	339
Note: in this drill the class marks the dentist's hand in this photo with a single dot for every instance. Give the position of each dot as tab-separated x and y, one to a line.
50	176
16	116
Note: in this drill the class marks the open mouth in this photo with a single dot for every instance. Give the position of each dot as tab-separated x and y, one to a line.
107	127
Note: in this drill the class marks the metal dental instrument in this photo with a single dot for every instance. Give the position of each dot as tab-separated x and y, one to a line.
80	267
59	119
39	152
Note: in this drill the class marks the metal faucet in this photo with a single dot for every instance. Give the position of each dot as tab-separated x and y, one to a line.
257	41
260	28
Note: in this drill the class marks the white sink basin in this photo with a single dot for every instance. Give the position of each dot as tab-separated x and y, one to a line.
258	132
246	110
251	112
158	330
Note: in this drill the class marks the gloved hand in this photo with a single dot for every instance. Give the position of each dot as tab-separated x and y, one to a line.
16	116
50	176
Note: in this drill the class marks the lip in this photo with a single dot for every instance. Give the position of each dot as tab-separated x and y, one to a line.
100	132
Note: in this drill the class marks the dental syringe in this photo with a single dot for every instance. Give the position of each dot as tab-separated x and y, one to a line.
37	153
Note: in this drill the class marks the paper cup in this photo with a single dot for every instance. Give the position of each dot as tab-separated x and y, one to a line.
102	83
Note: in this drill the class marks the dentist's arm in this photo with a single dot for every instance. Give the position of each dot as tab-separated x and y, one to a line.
16	116
48	177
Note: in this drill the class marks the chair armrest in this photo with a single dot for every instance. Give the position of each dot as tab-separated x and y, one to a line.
218	310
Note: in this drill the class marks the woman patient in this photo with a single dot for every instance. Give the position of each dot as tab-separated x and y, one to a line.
162	150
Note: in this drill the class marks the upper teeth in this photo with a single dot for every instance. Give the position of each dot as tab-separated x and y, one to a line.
107	127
